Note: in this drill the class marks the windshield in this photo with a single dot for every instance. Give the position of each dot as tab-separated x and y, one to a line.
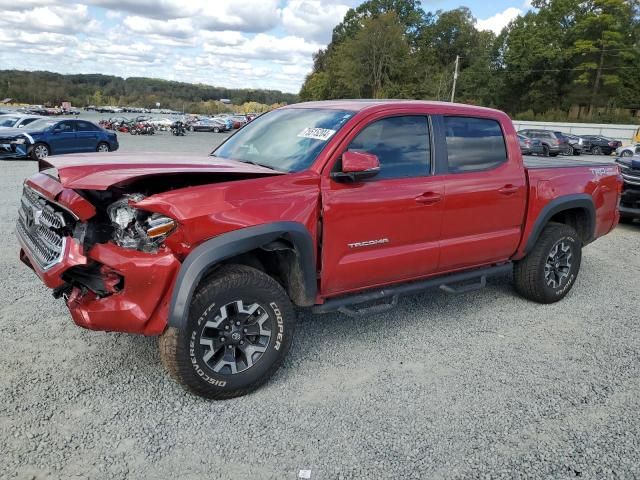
7	121
287	140
40	125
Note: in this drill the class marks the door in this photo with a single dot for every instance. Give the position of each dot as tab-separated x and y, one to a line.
86	136
485	194
63	138
384	229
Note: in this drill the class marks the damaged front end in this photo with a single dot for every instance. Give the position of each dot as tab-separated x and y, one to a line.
15	145
107	259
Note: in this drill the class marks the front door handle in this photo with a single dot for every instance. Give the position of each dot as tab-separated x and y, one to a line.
429	198
509	189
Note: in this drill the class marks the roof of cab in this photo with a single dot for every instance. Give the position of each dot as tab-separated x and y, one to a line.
357	105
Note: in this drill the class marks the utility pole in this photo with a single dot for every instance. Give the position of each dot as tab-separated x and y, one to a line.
455	79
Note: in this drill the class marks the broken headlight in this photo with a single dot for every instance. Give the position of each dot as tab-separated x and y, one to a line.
138	229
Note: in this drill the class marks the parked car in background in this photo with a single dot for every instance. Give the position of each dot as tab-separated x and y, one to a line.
239	119
599	145
630	200
530	146
47	137
17	121
628	151
209	125
226	120
552	145
572	144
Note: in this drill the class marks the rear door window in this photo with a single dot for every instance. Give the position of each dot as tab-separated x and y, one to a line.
85	127
474	144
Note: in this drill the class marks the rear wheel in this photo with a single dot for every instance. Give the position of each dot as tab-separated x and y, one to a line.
545	150
40	151
550	269
626	153
216	130
596	150
238	331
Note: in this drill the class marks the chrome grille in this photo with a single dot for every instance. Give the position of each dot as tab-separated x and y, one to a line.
39	225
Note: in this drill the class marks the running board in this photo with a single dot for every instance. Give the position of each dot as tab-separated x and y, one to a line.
346	304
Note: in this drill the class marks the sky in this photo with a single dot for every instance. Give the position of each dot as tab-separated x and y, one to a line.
227	43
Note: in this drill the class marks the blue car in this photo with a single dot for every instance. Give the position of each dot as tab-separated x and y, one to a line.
47	137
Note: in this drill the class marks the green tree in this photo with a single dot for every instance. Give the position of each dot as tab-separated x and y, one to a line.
374	58
605	43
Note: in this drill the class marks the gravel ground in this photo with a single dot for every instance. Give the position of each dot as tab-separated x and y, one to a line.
483	385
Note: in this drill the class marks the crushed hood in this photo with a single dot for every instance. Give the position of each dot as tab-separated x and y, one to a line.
99	171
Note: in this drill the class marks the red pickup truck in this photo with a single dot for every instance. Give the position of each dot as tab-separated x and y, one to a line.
336	206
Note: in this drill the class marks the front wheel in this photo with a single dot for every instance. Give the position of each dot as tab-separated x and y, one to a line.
626	153
545	151
238	331
216	130
550	269
40	151
596	150
102	147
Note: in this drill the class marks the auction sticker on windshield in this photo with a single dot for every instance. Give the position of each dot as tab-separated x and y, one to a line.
317	133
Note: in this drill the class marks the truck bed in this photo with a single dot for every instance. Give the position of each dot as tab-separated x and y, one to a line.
562	162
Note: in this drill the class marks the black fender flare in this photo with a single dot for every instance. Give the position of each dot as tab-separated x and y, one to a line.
566	202
234	243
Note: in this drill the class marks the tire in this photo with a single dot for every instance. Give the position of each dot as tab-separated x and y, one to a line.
133	131
198	358
626	153
553	154
596	150
537	278
103	147
216	130
40	151
545	151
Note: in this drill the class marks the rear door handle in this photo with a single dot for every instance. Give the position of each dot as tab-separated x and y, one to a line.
509	189
429	198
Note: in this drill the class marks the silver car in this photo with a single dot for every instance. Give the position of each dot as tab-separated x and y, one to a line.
17	121
628	151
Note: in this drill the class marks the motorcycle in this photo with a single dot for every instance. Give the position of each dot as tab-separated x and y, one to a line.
141	128
178	129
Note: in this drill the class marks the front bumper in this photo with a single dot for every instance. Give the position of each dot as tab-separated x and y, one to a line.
137	285
10	150
140	306
630	202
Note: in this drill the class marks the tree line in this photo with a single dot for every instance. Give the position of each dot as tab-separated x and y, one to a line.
47	88
564	59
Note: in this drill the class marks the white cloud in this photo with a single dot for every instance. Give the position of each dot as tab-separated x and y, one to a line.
159	9
176	28
240	15
498	21
312	18
12	5
268	47
51	19
229	43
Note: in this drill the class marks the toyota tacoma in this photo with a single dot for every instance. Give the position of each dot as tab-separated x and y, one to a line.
332	206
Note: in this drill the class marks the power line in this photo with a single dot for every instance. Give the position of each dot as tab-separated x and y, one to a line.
578	69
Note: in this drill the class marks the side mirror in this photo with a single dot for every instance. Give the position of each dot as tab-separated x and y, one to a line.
357	166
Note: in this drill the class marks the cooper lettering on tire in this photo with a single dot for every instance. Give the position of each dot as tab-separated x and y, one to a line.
238	332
